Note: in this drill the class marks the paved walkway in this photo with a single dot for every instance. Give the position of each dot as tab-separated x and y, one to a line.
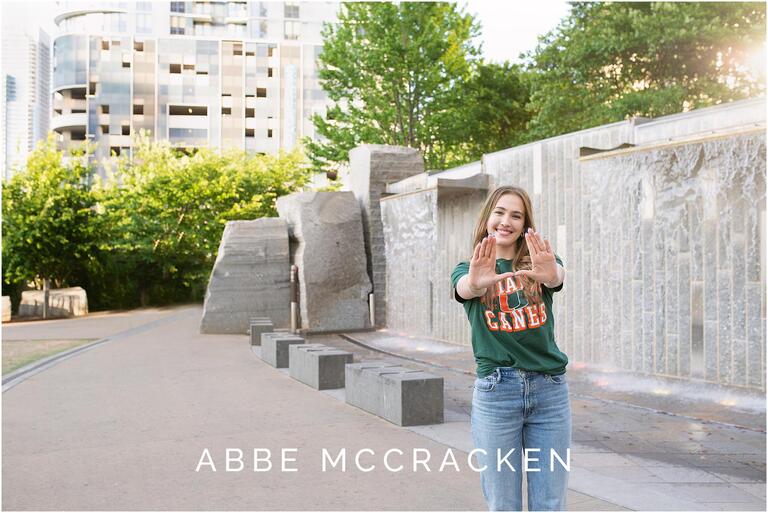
124	425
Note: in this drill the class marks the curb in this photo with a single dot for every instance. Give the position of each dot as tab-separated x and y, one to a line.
29	370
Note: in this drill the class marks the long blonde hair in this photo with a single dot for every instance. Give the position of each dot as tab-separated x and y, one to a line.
521	259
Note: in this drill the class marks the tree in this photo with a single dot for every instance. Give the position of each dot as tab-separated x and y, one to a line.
609	61
47	219
163	215
495	99
392	72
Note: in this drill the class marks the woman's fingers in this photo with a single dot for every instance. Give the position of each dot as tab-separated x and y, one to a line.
529	242
488	243
548	246
536	240
528	273
476	253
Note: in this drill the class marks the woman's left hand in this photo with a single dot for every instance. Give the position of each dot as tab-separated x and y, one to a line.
543	263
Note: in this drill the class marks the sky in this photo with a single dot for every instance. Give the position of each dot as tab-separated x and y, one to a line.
512	27
508	27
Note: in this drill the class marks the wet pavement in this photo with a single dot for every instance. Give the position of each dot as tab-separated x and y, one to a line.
660	445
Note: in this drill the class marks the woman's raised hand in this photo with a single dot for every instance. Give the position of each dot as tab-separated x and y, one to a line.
482	267
543	263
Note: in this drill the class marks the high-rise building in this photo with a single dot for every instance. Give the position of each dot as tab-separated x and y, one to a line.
226	74
25	111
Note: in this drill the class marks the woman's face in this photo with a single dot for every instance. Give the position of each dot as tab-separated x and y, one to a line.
507	221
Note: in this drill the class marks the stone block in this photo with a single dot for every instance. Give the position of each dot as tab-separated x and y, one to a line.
256	320
6	308
403	396
275	348
330	254
412	398
362	384
251	276
256	330
69	302
318	366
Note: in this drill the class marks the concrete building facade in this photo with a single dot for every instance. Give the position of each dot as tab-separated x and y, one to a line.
216	74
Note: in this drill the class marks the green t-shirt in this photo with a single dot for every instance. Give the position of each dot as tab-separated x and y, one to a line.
512	333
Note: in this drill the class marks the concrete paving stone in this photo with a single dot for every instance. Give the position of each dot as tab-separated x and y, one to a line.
683	475
452	434
651	460
629	473
592	460
756	489
741	506
741	474
733	447
627	447
593	504
706	492
588	447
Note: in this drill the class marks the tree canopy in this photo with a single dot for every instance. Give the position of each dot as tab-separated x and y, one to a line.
609	61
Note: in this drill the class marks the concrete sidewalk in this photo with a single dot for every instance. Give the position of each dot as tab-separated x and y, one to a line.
124	426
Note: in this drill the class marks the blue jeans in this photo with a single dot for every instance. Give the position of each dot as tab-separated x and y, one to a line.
517	409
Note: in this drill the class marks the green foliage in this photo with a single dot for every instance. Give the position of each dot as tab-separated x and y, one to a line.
608	61
392	71
495	114
48	218
149	234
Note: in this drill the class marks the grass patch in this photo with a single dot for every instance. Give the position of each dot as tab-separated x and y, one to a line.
18	353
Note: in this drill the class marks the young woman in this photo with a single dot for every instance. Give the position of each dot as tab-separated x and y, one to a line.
521	416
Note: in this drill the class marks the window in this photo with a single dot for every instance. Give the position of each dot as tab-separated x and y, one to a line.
78	111
261	92
92	88
138	110
188	110
250	113
269	132
292	29
77	136
291	10
138	46
175	68
237	49
269	72
105	129
115	150
105	109
177	7
104	44
178	24
126	130
270	51
226	111
250	132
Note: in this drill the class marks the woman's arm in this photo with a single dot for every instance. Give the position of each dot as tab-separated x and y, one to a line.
465	291
560	278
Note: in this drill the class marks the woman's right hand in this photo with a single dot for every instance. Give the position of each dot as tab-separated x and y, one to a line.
482	267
